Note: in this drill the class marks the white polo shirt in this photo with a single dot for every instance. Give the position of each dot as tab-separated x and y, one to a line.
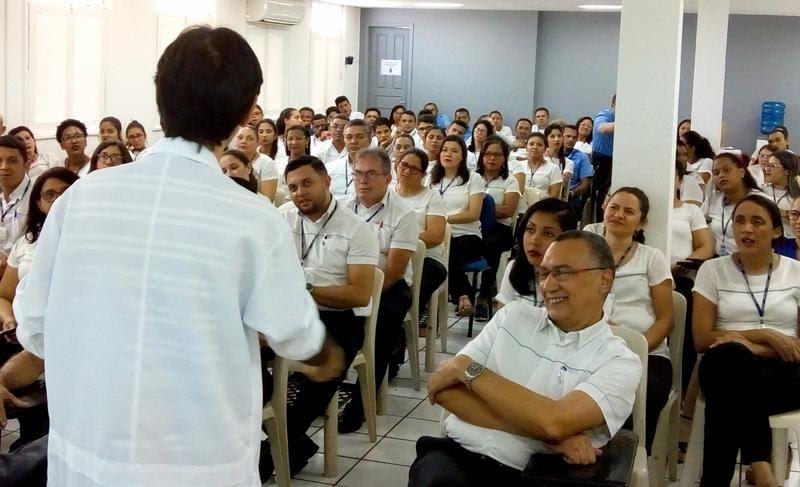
506	134
14	214
45	161
472	161
337	239
395	222
264	168
704	165
690	189
783	200
21	256
686	219
326	152
569	164
456	194
522	345
719	214
341	173
280	168
427	203
497	189
542	176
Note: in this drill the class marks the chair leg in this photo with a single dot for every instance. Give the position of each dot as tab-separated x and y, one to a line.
472	316
331	440
381	404
780	438
672	445
441	323
693	461
412	345
366	375
433	330
279	448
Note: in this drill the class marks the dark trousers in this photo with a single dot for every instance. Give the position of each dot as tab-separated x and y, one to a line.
433	275
442	462
313	397
684	286
741	392
495	241
602	181
463	249
26	467
34	422
659	383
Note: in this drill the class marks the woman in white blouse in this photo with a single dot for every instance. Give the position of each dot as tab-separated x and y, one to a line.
298	143
135	138
40	162
701	155
642	292
235	164
463	198
432	218
554	139
268	139
433	144
540	173
480	131
263	166
781	186
746	321
584	143
503	188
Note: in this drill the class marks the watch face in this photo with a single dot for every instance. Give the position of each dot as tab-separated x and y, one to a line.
474	369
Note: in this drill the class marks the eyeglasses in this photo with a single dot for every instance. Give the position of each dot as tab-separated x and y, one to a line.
136	136
51	194
492	154
793	214
76	137
402	166
561	274
367	175
112	158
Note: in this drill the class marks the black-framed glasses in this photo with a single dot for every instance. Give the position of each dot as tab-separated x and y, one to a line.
51	194
793	214
112	158
368	175
402	166
561	274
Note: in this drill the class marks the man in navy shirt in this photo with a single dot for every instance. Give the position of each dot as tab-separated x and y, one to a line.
581	175
602	151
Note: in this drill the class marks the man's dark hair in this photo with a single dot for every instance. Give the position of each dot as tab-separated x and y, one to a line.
598	247
460	123
425	112
542	109
372	109
340	99
462	109
13	143
427	118
330	110
206	83
70	122
569	126
382	121
523	119
316	164
306	109
409	112
319	116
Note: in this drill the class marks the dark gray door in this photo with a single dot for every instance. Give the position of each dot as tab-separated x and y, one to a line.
389	65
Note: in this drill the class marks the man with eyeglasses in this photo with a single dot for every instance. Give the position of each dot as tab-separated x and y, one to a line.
357	136
397	228
16	186
330	150
71	135
535	379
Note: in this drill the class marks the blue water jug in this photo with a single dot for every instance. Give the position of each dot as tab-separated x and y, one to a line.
771	115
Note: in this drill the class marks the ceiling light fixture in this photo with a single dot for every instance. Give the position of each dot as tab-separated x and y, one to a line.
437	5
601	7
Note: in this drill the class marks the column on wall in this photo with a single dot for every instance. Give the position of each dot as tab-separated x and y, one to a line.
708	88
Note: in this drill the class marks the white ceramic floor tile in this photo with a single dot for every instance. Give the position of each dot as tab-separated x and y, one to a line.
315	469
295	483
385	423
353	445
400	406
405	388
427	411
376	474
393	450
412	428
405	371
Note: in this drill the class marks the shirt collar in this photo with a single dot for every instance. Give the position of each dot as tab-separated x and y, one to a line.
586	335
20	190
185	148
384	201
325	215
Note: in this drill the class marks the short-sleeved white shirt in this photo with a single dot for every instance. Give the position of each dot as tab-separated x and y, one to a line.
783	199
585	147
280	168
21	256
705	165
595	228
690	189
633	306
264	168
15	214
686	219
542	176
42	163
522	345
425	203
326	152
456	194
721	282
719	214
341	174
497	189
395	223
472	161
344	240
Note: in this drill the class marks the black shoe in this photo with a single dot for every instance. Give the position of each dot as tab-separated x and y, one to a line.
303	452
481	313
351	418
265	465
394	369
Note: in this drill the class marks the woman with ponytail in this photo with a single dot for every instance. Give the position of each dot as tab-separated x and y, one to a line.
701	155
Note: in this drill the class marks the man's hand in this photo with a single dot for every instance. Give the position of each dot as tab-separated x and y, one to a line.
577	450
6	396
449	373
328	364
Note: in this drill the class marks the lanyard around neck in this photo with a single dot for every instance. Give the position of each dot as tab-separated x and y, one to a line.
760	309
375	213
11	206
441	183
305	250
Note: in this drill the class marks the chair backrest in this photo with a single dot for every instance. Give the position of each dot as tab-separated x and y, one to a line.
638	344
417	261
371	323
532	195
448	231
676	339
487	213
280	381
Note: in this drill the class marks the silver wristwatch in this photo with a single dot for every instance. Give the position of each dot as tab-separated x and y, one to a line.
472	371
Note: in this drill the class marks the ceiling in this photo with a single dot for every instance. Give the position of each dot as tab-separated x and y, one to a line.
744	7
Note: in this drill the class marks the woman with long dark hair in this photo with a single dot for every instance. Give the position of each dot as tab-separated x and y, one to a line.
268	138
40	162
554	140
781	186
109	153
480	131
584	143
701	155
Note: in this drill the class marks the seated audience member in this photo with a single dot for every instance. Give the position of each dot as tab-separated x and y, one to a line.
537	228
71	136
318	124
425	122
778	139
462	115
110	128
338	252
396	226
542	118
501	130
334	148
411	170
235	164
288	117
554	139
400	144
306	116
732	183
480	131
459	128
756	166
433	145
40	162
382	128
372	114
256	115
268	138
331	113
109	153
542	174
16	186
528	389
642	292
501	185
298	142
585	127
135	138
442	120
782	187
33	421
522	130
745	321
691	190
345	108
701	155
394	115
356	137
794	218
263	166
583	170
684	126
462	191
408	126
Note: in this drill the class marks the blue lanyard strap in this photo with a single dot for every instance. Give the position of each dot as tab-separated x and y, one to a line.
11	206
760	309
306	251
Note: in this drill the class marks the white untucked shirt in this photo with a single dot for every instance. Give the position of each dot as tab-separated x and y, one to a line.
150	283
14	214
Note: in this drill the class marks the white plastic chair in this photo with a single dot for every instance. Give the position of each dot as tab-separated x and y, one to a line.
637	343
665	444
437	313
411	323
273	416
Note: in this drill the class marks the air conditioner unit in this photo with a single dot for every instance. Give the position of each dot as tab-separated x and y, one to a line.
280	12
